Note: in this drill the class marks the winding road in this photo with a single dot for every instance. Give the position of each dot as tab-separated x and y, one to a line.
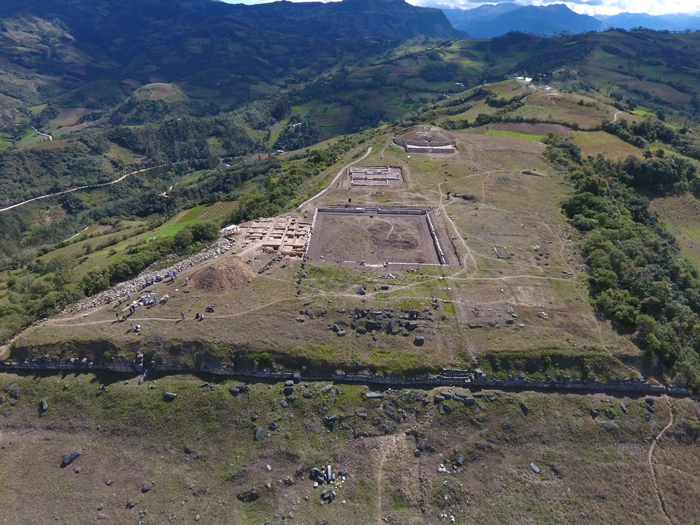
324	190
78	188
43	134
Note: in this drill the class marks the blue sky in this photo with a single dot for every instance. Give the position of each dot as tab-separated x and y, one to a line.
606	7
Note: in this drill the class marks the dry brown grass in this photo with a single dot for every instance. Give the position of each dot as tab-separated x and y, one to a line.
130	436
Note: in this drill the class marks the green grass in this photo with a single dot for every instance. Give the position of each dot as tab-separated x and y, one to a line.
528	136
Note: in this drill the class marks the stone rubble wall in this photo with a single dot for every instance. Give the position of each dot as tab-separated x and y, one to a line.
135	285
446	378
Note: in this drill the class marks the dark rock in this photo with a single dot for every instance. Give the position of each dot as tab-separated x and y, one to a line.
555	469
606	427
331	399
14	394
460	460
287	391
469	401
234	390
308	395
391	416
130	504
291	399
170	396
328	495
649	400
146	487
362	415
69	458
273	426
203	385
416	453
441	409
594	413
524	408
419	340
600	495
446	395
609	413
284	404
480	446
248	497
343	473
307	427
623	407
258	431
439	399
9	388
43	406
447	408
506	426
289	382
647	416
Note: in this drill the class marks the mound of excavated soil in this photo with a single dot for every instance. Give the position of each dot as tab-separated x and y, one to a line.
220	276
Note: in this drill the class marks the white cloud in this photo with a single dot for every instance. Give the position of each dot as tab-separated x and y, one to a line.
588	7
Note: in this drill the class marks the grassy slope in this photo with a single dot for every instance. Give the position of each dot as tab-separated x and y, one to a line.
127	436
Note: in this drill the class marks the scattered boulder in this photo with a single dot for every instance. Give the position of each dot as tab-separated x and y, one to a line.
147	487
69	458
170	396
248	497
623	407
43	406
419	340
647	416
524	408
308	395
555	469
535	468
130	504
374	395
234	390
649	400
460	460
258	431
273	426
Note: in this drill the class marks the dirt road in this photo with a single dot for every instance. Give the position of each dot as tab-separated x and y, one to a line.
78	188
324	190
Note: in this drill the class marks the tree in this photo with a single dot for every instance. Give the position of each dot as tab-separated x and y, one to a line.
184	238
205	231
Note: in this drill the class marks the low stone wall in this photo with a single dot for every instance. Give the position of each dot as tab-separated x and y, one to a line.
446	378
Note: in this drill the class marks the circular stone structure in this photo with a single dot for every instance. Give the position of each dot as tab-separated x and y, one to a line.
426	139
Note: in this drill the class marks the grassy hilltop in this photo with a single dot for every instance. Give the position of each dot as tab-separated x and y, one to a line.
567	216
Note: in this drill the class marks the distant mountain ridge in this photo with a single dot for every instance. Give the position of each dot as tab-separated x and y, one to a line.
490	20
395	19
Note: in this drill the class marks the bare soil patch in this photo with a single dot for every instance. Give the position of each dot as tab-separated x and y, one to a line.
221	276
533	129
373	238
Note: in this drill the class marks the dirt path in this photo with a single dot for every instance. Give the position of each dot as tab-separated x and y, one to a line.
90	186
43	134
650	459
335	179
388	445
